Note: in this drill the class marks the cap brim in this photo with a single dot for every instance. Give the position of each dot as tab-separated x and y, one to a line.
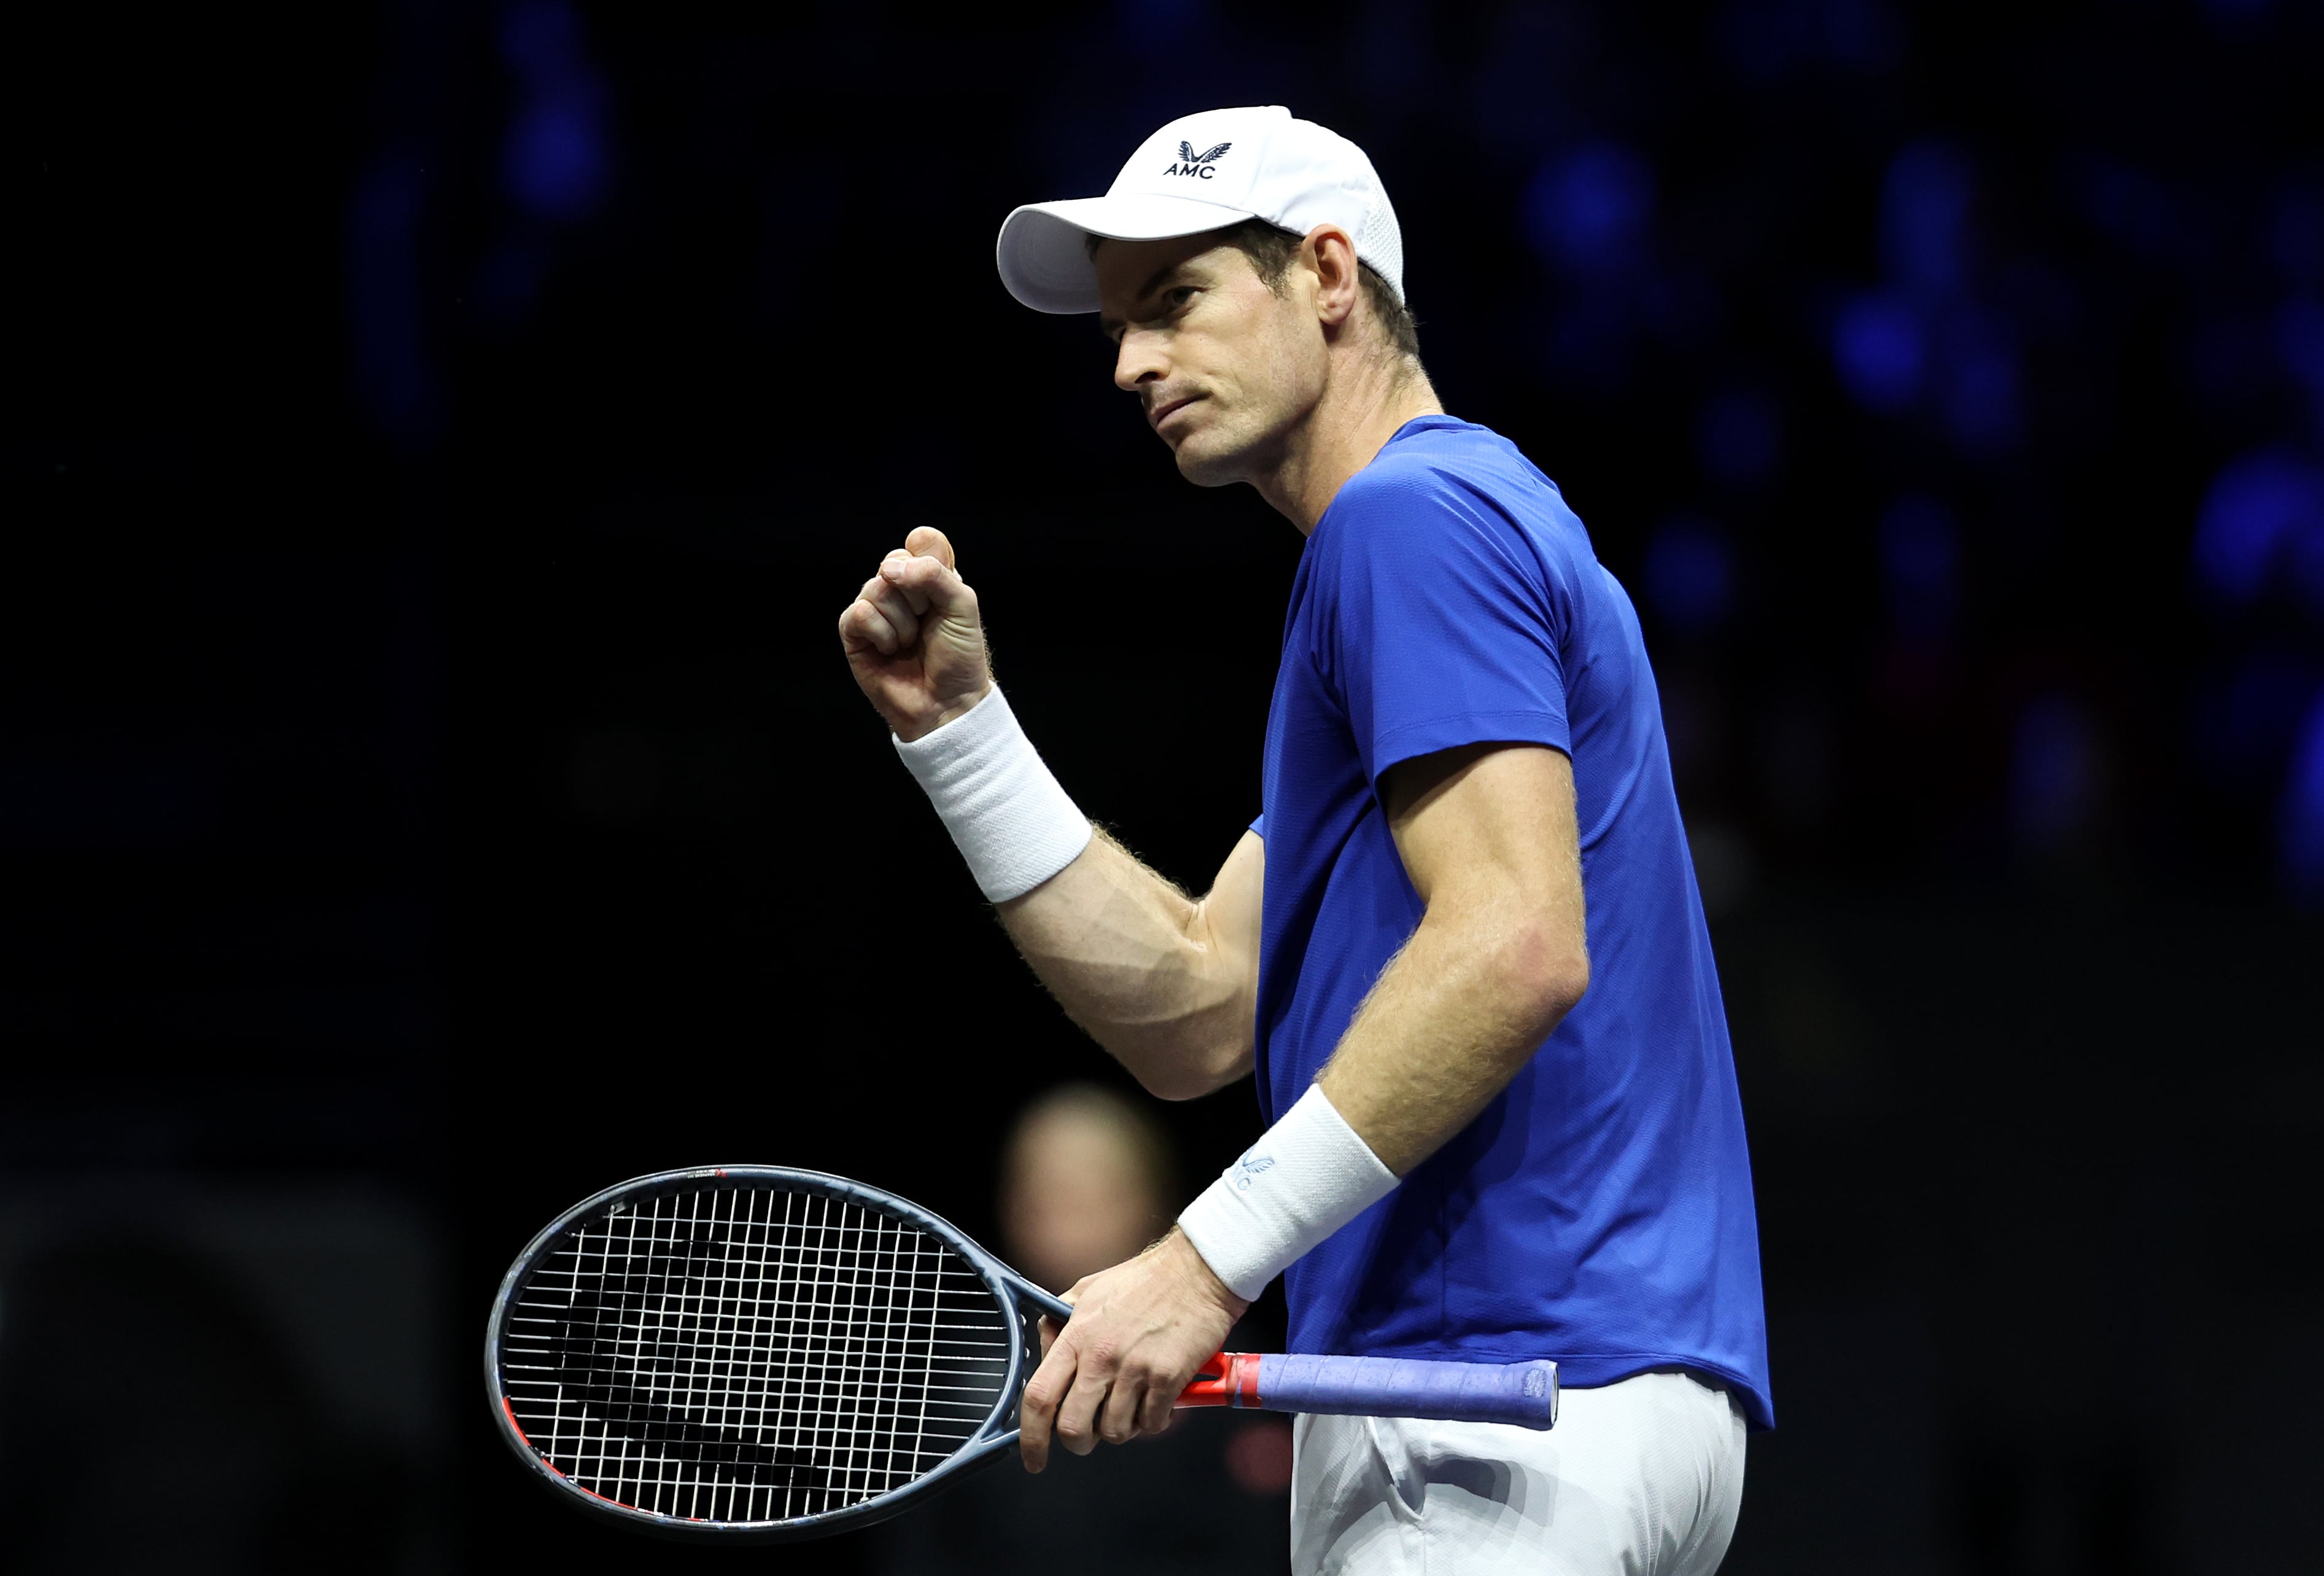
1043	246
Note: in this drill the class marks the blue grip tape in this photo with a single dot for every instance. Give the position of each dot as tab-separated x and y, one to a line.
1524	1394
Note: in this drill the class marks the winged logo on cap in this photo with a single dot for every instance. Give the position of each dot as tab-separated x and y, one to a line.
1186	152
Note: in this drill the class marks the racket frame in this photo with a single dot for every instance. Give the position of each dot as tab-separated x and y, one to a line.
1018	1297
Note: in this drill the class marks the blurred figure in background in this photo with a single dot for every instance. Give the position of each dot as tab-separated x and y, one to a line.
1087	1181
1087	1175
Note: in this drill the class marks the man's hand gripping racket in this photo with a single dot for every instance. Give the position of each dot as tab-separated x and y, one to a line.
746	1353
1140	1331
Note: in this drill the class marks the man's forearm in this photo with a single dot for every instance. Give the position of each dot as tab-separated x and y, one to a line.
1449	1023
1134	960
1500	955
1138	964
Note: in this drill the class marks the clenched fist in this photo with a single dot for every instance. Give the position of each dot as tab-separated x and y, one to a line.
914	640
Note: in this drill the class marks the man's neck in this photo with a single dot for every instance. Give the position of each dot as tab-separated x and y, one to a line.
1348	426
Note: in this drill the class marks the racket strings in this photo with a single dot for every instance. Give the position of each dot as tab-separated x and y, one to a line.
740	1354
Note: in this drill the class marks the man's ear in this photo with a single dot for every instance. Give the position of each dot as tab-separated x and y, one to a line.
1330	252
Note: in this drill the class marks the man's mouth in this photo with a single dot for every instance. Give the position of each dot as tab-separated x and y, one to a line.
1162	412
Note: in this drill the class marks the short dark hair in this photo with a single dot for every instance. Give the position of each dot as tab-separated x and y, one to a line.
1271	249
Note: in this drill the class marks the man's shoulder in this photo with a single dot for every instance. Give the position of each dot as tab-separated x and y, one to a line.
1439	464
1447	477
1406	479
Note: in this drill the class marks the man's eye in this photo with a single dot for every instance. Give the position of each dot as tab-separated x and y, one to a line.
1179	295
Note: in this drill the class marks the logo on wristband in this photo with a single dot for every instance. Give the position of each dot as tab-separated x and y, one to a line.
1250	1166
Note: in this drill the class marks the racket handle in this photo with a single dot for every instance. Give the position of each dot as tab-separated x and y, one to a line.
1524	1394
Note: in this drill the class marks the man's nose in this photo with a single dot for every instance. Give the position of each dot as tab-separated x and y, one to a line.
1139	362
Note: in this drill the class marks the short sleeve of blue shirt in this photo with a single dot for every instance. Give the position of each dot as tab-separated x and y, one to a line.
1600	1208
1436	621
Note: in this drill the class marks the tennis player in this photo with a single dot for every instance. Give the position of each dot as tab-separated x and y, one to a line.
1462	946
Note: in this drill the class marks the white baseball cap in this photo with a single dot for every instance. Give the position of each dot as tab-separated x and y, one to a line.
1204	172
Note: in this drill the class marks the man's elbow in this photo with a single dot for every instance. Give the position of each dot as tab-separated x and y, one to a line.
1191	1077
1547	974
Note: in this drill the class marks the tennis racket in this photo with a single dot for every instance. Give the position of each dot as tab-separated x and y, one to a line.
742	1353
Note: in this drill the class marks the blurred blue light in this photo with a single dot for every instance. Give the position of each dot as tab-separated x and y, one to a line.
2263	510
1690	574
1879	350
555	161
1920	555
2246	724
2053	775
1740	437
2301	819
1588	209
1982	401
1924	218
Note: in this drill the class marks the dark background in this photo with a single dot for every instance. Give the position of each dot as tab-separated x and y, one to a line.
439	439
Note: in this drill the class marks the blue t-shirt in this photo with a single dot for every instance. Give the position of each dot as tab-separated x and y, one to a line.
1599	1212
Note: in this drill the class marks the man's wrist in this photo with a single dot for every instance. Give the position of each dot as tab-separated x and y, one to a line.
1199	1274
1006	814
950	712
1309	1176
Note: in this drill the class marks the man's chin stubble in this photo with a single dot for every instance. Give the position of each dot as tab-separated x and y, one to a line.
1209	470
1209	474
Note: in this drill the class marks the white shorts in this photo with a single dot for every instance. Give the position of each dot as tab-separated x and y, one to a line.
1642	1478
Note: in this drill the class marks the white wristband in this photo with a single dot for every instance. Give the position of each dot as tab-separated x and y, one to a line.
1006	812
1309	1176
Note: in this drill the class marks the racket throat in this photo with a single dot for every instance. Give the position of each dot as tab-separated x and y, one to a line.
1230	1378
